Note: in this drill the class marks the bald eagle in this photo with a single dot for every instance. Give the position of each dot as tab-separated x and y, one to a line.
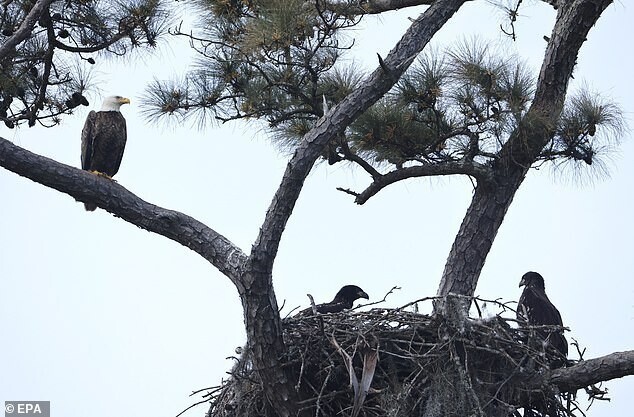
535	308
103	140
343	300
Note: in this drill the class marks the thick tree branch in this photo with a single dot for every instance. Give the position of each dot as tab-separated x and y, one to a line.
574	21
116	199
26	27
592	371
362	7
489	205
374	6
340	117
480	172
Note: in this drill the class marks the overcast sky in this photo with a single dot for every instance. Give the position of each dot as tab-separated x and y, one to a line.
103	319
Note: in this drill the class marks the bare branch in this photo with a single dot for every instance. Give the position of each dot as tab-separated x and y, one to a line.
481	172
351	156
362	7
88	49
116	199
380	6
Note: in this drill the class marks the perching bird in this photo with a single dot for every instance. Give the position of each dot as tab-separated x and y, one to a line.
103	140
535	308
343	300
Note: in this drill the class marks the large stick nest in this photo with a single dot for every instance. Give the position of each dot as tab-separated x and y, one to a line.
409	364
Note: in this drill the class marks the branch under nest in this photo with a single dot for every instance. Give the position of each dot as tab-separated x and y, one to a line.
428	366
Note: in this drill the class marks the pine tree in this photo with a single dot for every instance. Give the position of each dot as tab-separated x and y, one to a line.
467	112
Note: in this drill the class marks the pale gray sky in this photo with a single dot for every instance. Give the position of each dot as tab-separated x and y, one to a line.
101	317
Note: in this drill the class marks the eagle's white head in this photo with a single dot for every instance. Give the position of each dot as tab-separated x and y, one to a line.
113	103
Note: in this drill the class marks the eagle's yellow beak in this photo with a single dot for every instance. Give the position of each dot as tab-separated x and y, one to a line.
124	100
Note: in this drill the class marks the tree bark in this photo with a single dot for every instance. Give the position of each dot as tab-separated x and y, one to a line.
477	232
264	340
592	371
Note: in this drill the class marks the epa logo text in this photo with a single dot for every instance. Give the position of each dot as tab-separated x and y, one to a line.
27	408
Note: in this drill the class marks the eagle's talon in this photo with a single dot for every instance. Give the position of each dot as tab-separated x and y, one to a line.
101	174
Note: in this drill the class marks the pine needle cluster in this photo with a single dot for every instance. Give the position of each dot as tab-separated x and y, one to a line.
269	60
279	62
46	74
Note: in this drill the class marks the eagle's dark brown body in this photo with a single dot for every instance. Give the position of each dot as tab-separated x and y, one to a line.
535	308
103	141
342	301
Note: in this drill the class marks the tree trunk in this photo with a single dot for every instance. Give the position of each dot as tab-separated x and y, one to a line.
490	203
477	232
264	341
